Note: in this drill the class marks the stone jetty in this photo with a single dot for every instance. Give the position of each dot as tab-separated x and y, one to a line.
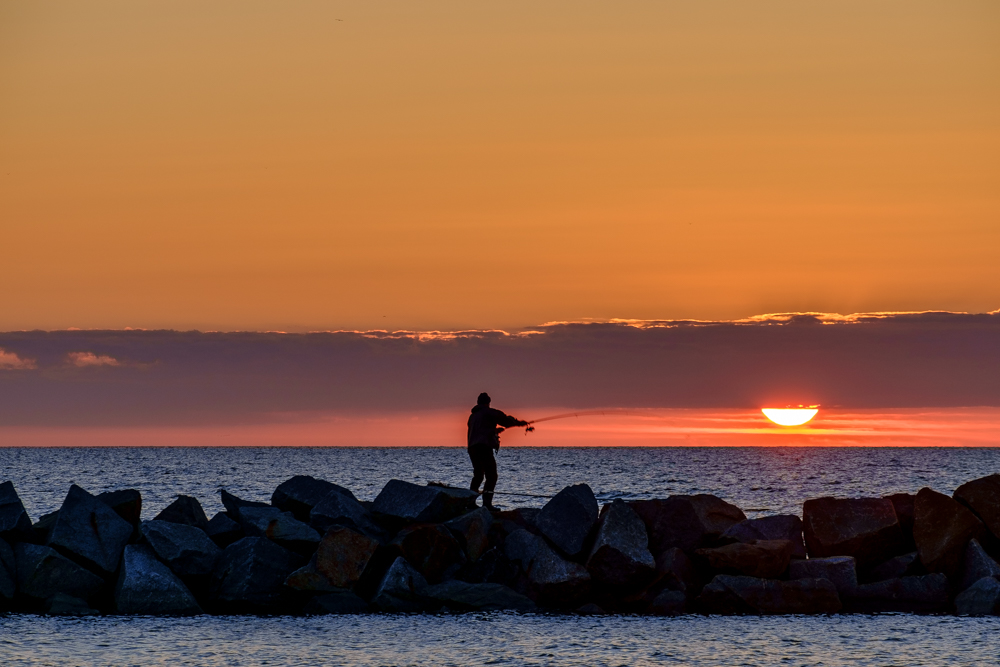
316	549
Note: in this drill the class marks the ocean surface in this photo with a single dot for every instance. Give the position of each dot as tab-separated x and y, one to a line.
761	480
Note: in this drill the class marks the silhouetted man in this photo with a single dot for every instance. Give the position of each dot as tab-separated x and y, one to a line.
485	426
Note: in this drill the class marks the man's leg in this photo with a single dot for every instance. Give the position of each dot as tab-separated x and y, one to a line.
478	472
490	466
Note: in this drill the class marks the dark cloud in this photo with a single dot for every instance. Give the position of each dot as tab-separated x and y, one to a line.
173	377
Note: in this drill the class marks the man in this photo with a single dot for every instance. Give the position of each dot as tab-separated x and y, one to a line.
485	426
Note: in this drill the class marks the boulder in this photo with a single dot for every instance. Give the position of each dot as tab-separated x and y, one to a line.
668	603
342	509
568	519
942	527
727	594
42	572
590	609
675	571
234	504
302	493
686	522
928	593
223	530
14	521
778	527
907	565
865	528
492	567
280	527
186	550
980	599
620	557
401	589
8	574
765	559
472	530
89	532
519	517
976	565
554	582
127	503
336	602
339	562
837	569
982	496
62	604
43	527
902	503
431	549
463	596
404	502
250	576
184	510
148	587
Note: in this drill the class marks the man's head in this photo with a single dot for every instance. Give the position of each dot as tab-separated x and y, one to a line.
484	399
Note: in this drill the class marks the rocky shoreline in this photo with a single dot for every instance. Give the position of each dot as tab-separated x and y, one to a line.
316	549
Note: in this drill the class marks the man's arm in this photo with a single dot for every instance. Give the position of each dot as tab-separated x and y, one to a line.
507	421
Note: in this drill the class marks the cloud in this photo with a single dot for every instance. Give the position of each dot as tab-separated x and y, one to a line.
85	359
11	362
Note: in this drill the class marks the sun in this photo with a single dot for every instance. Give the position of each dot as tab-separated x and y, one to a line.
790	416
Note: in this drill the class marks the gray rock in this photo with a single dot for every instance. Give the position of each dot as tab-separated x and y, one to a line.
280	527
977	565
148	587
980	599
127	503
727	594
568	519
186	550
590	609
554	581
233	504
838	569
865	528
982	496
336	602
928	593
473	531
250	576
8	573
342	509
401	589
675	571
184	510
492	567
620	558
431	549
668	603
223	531
43	527
14	521
412	503
907	565
778	527
686	522
942	527
89	532
302	493
42	572
62	604
463	596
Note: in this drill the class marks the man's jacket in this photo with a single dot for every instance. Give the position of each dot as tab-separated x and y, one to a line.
483	423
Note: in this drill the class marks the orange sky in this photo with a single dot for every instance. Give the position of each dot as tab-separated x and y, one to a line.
311	165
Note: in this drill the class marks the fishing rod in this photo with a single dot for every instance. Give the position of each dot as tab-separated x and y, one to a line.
581	413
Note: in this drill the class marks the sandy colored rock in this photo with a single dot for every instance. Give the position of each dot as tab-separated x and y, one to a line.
765	559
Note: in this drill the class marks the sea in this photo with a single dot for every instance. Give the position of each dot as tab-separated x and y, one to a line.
761	480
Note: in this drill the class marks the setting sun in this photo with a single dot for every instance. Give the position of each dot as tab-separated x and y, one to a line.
789	416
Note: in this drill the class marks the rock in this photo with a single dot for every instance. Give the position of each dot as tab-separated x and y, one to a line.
43	527
411	503
980	599
127	503
837	569
907	565
976	565
568	519
8	574
727	594
280	527
223	531
184	510
401	589
186	550
89	532
902	503
942	527
431	549
668	603
865	528
686	522
62	604
336	602
339	562
982	496
620	557
778	527
233	504
146	586
463	596
928	593
302	493
250	576
472	530
42	572
14	521
590	609
554	581
342	509
675	571
519	517
765	559
492	567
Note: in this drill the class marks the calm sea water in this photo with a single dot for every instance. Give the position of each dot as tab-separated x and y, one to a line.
761	480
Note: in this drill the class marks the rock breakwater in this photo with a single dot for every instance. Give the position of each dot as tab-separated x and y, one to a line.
316	549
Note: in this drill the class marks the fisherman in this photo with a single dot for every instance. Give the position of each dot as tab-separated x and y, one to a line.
485	426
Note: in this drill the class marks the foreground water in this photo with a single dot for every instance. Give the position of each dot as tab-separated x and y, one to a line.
760	480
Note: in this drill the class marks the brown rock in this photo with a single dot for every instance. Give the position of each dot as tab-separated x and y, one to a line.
339	562
675	571
865	528
728	594
765	559
942	527
777	527
472	530
686	522
982	496
431	549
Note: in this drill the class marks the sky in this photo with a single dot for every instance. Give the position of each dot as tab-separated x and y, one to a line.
308	166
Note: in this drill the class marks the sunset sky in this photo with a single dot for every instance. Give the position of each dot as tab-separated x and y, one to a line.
303	166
